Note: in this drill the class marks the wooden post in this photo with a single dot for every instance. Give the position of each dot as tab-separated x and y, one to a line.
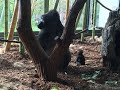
86	18
12	27
94	17
87	13
46	6
56	4
67	8
6	19
84	22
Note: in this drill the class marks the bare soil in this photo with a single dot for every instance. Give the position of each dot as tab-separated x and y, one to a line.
18	72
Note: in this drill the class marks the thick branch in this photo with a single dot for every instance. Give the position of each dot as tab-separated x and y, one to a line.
28	38
70	23
68	32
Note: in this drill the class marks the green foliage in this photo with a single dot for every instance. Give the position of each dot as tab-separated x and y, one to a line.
37	9
34	25
54	88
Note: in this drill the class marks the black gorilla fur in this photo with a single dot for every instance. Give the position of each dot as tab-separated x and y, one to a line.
80	58
51	27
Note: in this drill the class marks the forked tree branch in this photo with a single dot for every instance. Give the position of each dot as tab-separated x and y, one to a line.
68	33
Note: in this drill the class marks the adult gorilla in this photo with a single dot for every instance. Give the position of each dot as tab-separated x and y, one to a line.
51	27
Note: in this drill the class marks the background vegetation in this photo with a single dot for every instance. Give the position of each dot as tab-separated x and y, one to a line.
37	11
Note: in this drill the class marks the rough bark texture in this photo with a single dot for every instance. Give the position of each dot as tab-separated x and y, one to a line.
28	38
47	66
65	40
111	42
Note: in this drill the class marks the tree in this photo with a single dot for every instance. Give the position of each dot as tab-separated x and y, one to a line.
46	65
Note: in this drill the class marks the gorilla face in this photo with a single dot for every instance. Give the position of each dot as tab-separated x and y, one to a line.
49	19
41	23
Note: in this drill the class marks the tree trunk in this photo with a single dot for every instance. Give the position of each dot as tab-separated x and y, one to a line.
28	38
68	33
47	66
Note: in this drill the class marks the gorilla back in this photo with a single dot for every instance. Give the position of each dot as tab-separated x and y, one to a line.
51	27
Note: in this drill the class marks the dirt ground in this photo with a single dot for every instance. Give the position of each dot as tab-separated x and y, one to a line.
18	73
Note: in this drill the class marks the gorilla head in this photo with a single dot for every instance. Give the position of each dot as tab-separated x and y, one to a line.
50	22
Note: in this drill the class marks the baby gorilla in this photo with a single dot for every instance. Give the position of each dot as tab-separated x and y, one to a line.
80	58
51	27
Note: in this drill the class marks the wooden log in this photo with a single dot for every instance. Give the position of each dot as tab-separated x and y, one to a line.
12	26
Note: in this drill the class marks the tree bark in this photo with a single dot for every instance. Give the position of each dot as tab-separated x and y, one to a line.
47	66
28	38
68	33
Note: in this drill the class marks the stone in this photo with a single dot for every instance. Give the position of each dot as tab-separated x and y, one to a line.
111	42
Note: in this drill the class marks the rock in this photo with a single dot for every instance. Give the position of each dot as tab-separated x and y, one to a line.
18	65
90	39
111	42
5	87
2	49
23	87
72	45
81	47
99	39
96	37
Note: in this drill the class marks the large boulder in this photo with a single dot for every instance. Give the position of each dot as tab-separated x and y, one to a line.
111	41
